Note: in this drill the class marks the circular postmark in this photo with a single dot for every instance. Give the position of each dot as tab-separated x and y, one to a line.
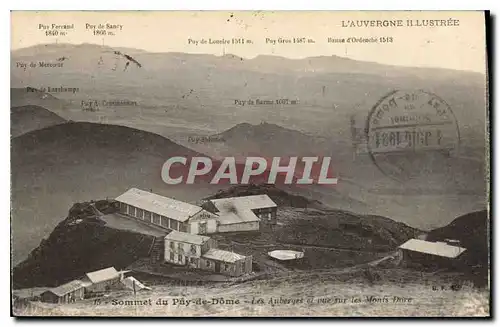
410	134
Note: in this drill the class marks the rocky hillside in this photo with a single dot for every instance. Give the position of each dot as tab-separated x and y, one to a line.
345	230
79	244
473	233
331	238
310	222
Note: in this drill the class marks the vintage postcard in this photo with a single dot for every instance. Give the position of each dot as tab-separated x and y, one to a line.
250	164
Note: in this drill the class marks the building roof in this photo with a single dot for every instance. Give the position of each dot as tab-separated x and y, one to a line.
64	289
238	217
186	237
435	248
103	275
221	255
251	202
161	205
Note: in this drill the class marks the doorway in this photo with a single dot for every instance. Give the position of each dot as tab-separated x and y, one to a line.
203	227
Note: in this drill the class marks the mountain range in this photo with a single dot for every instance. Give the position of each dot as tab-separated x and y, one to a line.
197	92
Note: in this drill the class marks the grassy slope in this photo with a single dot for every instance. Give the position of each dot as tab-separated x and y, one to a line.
29	118
426	302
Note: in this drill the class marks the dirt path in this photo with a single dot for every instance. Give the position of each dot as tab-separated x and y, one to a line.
308	246
330	271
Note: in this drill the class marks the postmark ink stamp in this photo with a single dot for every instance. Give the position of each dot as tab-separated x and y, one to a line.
411	134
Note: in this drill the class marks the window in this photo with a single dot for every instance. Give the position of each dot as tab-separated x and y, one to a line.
164	221
174	225
172	256
179	258
193	249
202	227
140	213
208	263
147	216
172	245
179	247
156	219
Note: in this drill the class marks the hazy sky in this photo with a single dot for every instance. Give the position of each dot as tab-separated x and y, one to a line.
457	47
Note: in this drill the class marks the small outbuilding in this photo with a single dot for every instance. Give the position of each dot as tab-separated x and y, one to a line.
66	293
225	262
427	253
102	280
244	213
261	205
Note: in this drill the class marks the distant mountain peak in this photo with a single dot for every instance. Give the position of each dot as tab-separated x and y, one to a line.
264	56
231	56
267	139
17	92
260	127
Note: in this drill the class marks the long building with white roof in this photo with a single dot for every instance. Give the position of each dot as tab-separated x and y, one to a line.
166	212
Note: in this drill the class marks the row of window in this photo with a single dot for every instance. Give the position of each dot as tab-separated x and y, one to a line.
267	216
208	263
180	247
223	266
264	210
172	257
193	261
152	217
